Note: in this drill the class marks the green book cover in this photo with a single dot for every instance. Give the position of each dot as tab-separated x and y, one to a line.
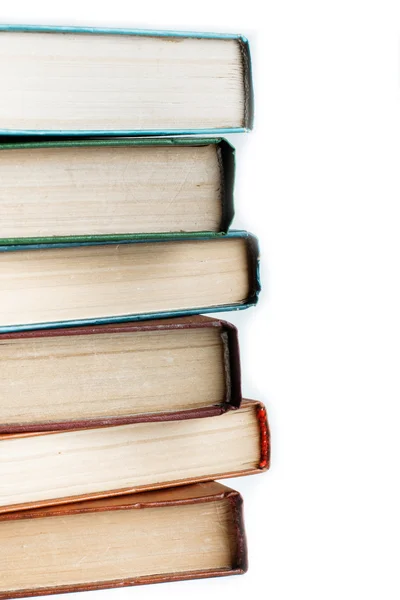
105	81
111	185
66	285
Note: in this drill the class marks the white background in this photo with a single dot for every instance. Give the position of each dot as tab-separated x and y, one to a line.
318	180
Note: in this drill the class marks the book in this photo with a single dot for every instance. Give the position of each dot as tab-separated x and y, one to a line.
70	80
63	191
190	532
41	469
118	374
49	285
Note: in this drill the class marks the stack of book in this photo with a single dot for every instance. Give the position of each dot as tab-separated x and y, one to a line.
120	404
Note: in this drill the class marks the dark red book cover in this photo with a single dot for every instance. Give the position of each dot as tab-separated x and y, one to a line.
231	363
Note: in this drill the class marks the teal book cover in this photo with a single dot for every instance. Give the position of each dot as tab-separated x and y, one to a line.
64	285
78	81
113	189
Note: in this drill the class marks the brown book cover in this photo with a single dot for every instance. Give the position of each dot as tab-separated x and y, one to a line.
60	467
47	422
61	549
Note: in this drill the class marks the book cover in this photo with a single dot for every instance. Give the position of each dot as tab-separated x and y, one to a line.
84	190
111	273
84	101
209	541
55	379
45	469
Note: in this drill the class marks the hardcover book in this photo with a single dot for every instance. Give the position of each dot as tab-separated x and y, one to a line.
76	81
123	541
55	468
63	191
95	283
118	374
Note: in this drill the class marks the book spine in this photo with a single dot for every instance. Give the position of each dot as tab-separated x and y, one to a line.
232	360
226	157
248	84
265	440
236	501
